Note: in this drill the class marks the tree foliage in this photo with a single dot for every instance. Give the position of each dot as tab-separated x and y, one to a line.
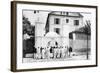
27	27
87	27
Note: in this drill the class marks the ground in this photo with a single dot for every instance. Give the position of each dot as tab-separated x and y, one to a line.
75	57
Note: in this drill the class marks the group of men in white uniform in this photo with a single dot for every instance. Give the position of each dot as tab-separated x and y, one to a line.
52	52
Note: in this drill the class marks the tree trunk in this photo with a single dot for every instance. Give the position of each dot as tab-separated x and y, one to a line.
87	48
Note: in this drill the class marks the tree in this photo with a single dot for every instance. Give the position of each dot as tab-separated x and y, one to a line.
28	44
87	30
27	27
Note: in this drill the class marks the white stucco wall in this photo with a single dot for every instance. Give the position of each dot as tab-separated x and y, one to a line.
65	28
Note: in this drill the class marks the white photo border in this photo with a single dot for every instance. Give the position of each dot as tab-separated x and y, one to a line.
53	64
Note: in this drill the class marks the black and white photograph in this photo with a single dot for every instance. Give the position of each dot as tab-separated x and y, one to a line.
56	35
53	36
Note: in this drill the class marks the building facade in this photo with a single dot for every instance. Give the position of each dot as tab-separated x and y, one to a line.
63	23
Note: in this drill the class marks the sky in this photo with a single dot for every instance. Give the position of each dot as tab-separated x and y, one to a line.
42	17
35	17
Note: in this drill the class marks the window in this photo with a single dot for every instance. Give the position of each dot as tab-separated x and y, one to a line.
56	21
34	11
70	36
67	20
37	11
76	22
66	13
57	30
61	13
